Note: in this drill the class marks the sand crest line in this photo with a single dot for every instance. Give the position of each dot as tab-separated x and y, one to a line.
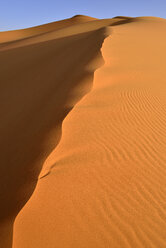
107	32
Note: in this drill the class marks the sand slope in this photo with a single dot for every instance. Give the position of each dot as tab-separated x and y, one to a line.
34	31
103	178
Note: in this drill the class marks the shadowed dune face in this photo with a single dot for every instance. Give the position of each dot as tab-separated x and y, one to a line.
40	84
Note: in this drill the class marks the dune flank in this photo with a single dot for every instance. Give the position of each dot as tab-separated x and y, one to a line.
83	136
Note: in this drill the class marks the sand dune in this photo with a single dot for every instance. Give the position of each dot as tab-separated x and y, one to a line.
83	137
34	31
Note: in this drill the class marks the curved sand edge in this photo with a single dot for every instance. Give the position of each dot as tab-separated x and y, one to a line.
106	186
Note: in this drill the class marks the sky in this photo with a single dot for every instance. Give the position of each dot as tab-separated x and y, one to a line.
17	14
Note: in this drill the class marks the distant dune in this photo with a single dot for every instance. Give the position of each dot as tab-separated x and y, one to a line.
83	134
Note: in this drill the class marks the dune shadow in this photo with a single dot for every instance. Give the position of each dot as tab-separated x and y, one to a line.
39	86
124	20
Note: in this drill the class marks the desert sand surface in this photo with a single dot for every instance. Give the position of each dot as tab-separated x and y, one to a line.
83	135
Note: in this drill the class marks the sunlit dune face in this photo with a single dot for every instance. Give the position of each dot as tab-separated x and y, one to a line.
83	135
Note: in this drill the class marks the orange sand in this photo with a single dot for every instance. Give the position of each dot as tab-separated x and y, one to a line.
99	179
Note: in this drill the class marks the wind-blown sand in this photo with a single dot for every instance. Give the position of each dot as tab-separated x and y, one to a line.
92	176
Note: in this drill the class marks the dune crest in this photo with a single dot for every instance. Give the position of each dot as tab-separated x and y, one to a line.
46	80
98	180
12	35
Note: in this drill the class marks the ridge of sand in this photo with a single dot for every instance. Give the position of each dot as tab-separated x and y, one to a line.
66	30
8	36
106	187
103	185
43	88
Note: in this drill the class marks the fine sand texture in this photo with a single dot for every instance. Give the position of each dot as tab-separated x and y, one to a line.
83	135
